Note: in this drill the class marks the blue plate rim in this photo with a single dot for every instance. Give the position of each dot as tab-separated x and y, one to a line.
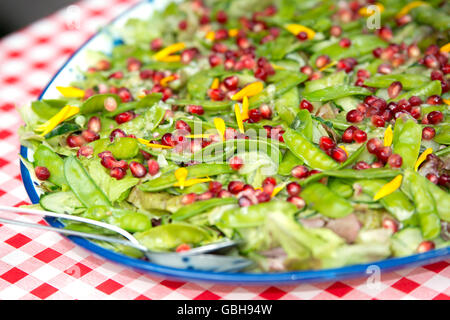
353	271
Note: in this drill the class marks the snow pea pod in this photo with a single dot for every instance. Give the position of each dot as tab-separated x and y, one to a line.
277	89
408	81
289	162
397	203
82	184
303	123
428	15
320	198
407	141
96	103
124	148
45	109
148	101
198	207
146	122
63	128
287	105
442	152
331	80
336	92
375	173
443	135
354	156
128	220
168	179
208	105
429	89
425	204
305	150
46	157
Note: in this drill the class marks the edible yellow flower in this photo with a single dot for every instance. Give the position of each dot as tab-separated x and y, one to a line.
238	114
64	114
389	188
388	136
249	90
297	28
220	126
71	92
406	9
422	158
153	145
167	51
365	12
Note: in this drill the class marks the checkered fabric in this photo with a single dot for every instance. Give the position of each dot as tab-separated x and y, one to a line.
44	265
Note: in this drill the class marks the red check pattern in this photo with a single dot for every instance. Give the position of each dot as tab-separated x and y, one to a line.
44	265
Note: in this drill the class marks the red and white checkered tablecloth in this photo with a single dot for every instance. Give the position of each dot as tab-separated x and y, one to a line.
44	265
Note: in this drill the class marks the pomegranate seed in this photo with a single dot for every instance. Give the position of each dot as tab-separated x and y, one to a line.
188	198
42	173
244	201
153	167
322	61
137	169
74	141
446	68
215	187
182	25
345	42
265	111
168	140
235	187
262	196
261	74
221	17
413	51
305	104
384	68
428	133
85	151
363	74
193	109
359	136
436	75
435	117
385	33
383	153
229	64
354	116
336	31
221	34
103	65
117	173
117	133
378	121
404	105
182	125
430	62
308	70
224	194
377	52
293	189
236	163
415	112
183	248
339	155
145	154
297	201
133	64
302	36
243	42
395	161
390	224
116	75
326	143
299	172
110	104
205	196
425	246
394	89
361	165
94	124
347	135
444	180
188	55
377	165
216	94
125	95
434	100
415	101
90	136
204	19
254	115
124	117
214	60
231	82
269	181
156	44
433	178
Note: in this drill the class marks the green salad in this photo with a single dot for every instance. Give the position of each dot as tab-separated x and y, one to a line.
315	133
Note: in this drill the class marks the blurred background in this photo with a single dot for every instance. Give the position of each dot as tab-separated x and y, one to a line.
16	14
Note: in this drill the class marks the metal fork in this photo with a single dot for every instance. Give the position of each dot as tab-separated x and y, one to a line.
196	258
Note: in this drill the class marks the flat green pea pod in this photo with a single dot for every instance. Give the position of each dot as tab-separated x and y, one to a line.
124	148
168	179
443	152
198	207
343	189
337	92
425	204
435	17
96	103
288	163
303	123
142	125
63	128
429	89
406	241
320	198
169	236
334	79
254	216
46	109
148	101
443	135
208	105
277	89
46	157
354	156
397	203
82	184
408	81
407	141
307	151
287	105
61	202
373	173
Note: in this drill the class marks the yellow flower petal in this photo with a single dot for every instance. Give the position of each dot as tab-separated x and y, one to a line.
71	92
64	114
388	136
215	84
446	101
445	48
422	158
164	81
277	190
181	175
163	53
389	188
191	182
297	28
174	58
406	9
220	126
210	35
245	107
345	150
153	145
249	90
332	63
365	12
238	114
233	32
277	67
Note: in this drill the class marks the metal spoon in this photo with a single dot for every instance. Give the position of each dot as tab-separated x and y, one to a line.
196	258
